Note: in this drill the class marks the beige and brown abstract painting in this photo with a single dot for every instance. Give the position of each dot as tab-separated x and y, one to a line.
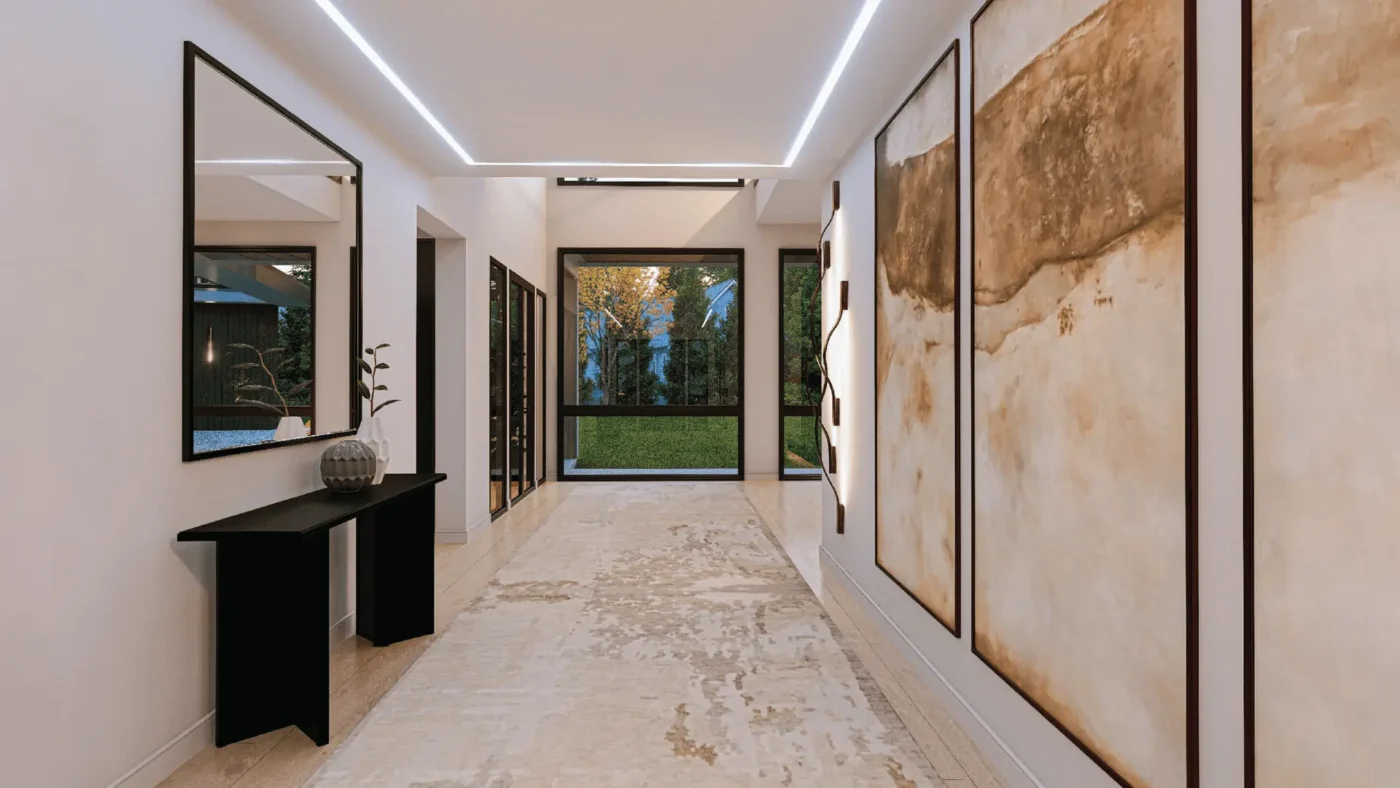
916	358
1080	420
1326	336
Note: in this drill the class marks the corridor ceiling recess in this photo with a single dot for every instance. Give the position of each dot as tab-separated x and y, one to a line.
686	88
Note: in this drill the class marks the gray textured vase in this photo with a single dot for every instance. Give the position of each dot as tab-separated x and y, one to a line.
348	466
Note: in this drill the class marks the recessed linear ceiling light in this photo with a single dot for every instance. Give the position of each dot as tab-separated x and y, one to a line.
847	50
867	12
368	51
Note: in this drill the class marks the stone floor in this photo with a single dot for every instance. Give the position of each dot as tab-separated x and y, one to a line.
362	675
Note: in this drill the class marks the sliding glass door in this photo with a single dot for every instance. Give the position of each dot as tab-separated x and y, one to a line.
651	367
799	326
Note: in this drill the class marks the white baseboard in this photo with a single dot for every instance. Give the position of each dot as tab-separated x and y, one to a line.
844	578
760	477
163	762
462	537
343	628
188	743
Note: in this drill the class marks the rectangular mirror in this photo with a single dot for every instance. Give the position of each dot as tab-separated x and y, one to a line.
271	271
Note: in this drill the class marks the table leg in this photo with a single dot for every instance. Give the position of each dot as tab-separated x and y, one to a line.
394	570
272	650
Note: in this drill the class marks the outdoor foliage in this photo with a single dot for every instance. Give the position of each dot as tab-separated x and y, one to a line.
621	310
801	335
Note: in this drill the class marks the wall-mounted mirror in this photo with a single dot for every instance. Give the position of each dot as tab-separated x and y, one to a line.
271	271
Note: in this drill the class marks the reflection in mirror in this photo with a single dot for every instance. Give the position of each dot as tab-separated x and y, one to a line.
270	309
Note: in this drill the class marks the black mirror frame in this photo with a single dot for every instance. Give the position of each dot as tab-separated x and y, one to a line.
193	56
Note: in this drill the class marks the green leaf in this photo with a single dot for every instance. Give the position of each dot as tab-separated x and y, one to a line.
241	346
381	365
382	406
364	389
369	351
247	365
381	387
256	387
299	388
365	367
277	350
381	347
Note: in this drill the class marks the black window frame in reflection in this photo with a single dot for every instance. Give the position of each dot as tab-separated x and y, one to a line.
565	411
193	56
792	258
498	414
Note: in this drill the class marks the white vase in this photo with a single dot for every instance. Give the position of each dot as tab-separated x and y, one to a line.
288	428
371	433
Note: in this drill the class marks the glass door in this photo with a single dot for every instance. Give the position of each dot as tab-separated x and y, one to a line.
522	387
497	356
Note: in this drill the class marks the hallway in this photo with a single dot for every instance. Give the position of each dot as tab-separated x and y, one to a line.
620	635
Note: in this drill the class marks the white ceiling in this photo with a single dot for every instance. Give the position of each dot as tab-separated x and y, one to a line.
653	81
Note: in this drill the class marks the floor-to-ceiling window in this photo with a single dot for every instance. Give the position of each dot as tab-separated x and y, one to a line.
497	356
651	363
799	326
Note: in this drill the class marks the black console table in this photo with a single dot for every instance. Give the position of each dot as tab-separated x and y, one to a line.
272	598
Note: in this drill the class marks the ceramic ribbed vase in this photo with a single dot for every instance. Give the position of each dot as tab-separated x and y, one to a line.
371	433
349	466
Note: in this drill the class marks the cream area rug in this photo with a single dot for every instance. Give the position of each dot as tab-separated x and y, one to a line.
647	635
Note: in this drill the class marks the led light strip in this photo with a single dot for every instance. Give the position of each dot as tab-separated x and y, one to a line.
867	13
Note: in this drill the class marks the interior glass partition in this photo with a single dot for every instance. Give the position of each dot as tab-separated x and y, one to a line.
651	364
799	329
497	356
522	387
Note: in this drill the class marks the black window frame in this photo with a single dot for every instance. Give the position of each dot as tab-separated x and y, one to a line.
715	183
501	401
563	411
785	258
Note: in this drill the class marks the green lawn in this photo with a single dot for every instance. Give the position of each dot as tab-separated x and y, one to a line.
800	433
656	443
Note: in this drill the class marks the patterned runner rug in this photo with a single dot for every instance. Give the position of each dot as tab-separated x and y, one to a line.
647	635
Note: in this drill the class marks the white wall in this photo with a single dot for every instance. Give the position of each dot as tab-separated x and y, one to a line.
503	218
1026	748
596	216
106	621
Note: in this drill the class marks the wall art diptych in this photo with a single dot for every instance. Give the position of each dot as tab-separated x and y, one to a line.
916	344
1323	539
1083	328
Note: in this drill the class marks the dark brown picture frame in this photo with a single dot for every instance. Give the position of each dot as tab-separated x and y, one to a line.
1193	760
955	627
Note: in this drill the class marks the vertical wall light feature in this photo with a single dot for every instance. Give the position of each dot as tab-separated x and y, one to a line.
209	347
829	466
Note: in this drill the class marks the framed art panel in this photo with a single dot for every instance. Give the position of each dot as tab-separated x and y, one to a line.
1084	510
1322	152
917	481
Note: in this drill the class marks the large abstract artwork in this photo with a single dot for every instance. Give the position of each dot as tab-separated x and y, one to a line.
1083	530
916	356
1326	350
